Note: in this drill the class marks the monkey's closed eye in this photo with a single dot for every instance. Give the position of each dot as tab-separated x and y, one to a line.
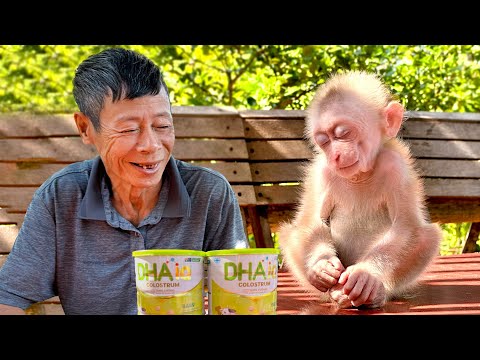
321	139
341	132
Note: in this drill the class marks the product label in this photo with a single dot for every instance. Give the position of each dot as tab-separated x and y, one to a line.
242	284
170	285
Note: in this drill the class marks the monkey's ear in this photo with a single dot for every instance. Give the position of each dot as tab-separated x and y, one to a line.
394	117
84	127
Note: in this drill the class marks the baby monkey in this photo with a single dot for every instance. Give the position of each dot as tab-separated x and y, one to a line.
361	233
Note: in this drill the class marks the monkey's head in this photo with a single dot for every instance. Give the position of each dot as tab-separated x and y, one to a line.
350	118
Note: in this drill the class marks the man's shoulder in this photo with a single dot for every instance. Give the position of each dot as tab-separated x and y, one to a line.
72	173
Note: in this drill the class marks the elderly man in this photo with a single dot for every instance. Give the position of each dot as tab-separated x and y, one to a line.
85	221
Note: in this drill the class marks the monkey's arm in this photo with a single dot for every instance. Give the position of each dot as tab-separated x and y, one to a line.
397	259
306	242
409	245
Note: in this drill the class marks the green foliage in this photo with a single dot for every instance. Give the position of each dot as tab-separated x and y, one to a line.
38	78
454	238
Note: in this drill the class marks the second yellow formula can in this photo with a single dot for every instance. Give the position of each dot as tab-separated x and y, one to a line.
242	281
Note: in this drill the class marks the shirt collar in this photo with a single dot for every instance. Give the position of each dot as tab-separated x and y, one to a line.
178	201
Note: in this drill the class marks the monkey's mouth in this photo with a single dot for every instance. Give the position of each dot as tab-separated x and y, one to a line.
349	171
348	166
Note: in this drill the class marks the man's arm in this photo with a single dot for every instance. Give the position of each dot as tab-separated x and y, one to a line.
10	310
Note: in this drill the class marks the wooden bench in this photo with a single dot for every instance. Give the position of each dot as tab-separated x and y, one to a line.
259	152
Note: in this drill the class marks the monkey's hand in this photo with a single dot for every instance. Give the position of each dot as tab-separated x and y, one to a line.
336	295
363	287
324	273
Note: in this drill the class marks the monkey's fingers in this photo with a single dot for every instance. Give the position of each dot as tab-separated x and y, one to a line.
377	297
355	283
344	276
363	288
336	263
323	266
361	295
333	271
337	296
321	279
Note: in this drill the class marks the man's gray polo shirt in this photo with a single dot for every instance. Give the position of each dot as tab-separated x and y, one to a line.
74	244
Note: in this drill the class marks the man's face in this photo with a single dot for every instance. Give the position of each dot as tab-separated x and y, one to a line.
135	140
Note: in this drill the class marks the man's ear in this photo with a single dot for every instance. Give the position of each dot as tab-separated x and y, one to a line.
394	117
84	126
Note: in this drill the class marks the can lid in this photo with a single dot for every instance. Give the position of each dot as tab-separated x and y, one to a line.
272	251
163	252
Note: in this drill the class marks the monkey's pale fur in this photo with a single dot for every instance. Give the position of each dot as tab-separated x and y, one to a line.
362	200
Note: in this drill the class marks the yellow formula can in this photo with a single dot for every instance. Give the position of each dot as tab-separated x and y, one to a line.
242	281
170	282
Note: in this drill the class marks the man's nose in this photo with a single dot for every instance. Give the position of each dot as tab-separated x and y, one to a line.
148	140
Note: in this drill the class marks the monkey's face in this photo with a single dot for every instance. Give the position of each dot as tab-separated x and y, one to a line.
349	133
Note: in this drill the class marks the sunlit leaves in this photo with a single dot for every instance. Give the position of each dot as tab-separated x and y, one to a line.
454	238
38	78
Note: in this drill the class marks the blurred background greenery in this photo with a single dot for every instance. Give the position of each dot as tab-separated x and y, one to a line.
38	78
444	78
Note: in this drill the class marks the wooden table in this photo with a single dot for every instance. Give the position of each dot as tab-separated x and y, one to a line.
450	286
